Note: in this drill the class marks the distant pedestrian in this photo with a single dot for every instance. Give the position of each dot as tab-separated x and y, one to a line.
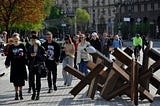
82	56
105	45
95	42
16	58
117	43
69	49
36	54
52	50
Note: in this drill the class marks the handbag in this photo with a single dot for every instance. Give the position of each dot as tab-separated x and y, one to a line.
42	69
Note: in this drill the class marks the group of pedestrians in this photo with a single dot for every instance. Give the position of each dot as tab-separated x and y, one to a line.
72	52
31	54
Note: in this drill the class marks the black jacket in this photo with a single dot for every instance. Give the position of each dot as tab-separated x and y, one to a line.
54	48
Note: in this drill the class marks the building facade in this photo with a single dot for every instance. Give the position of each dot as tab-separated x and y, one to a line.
101	13
140	11
105	14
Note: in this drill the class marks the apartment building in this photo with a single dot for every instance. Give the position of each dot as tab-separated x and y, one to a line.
140	10
101	13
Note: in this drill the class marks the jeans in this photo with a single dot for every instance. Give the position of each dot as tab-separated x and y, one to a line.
83	67
67	76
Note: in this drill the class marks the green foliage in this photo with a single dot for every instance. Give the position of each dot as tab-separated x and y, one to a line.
55	13
82	15
48	5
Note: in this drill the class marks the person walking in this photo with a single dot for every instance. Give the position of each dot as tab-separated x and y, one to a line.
16	58
69	49
82	56
117	43
36	54
105	45
95	42
52	50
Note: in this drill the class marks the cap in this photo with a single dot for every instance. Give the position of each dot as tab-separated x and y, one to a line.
94	34
66	37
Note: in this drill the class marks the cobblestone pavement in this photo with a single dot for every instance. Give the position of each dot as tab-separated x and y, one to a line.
61	97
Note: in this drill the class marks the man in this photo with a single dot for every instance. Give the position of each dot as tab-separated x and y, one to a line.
52	50
137	43
105	45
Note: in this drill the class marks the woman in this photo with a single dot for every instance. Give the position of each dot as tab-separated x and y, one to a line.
82	55
16	58
35	55
69	50
117	43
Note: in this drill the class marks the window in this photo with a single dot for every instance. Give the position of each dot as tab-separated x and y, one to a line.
152	6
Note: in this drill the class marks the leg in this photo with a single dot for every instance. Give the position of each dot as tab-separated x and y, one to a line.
64	73
85	67
49	81
38	84
29	81
33	83
20	92
16	92
70	77
54	74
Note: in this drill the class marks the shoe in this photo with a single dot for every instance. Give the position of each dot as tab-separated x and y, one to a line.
50	90
16	96
55	88
65	83
68	84
37	97
33	96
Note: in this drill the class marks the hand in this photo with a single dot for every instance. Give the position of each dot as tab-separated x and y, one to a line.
21	54
33	54
66	49
57	62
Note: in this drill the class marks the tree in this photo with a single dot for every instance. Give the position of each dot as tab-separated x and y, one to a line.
23	12
82	18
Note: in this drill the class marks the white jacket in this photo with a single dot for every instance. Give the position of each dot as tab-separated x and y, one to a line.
82	53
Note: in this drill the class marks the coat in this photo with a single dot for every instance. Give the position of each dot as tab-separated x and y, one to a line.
18	63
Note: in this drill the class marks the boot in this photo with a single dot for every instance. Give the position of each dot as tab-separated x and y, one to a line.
55	87
37	97
20	95
16	96
33	96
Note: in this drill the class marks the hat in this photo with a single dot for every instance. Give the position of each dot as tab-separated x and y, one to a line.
66	37
94	34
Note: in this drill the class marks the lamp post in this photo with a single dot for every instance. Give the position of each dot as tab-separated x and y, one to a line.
63	23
